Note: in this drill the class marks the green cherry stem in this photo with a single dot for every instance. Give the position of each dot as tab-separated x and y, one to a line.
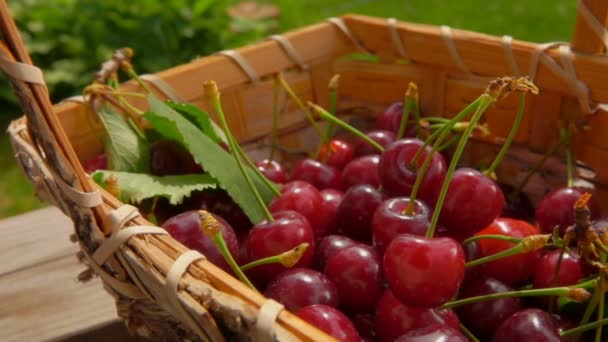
602	298
300	105
466	332
334	120
211	228
575	293
582	328
511	239
527	244
287	259
213	94
509	140
410	102
271	186
275	117
484	102
334	83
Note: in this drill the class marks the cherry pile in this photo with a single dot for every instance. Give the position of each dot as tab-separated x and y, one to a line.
382	264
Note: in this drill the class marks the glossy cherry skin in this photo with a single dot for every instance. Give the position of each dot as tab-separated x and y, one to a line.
220	203
355	213
328	215
484	317
394	319
513	270
557	209
336	153
435	333
398	176
390	119
186	228
328	246
99	162
316	173
364	323
423	272
356	272
273	170
382	137
473	201
571	270
267	238
528	325
300	287
331	321
362	170
390	219
168	157
304	198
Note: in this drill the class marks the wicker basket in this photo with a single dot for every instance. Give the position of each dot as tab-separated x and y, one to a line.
451	68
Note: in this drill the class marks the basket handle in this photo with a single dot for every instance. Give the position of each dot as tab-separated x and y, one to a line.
44	126
590	34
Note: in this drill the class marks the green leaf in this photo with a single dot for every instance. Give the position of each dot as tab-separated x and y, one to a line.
125	149
219	163
135	187
201	119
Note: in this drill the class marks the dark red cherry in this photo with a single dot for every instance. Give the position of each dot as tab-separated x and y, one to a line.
355	213
398	175
394	319
362	170
571	270
364	323
300	287
557	209
220	203
437	333
186	228
528	325
423	272
473	201
168	157
483	318
513	270
328	246
316	173
336	153
382	137
273	170
304	198
356	272
390	219
99	162
390	119
328	215
267	238
331	321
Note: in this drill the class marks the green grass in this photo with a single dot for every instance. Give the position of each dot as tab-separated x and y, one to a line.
537	20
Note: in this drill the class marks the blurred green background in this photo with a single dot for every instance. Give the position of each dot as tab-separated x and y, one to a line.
68	39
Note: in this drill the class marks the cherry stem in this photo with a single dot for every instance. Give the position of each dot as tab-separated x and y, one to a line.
213	94
562	291
449	143
272	187
334	120
583	328
300	105
131	72
484	102
410	104
275	118
556	275
528	244
509	140
333	104
287	259
566	135
511	239
602	298
468	333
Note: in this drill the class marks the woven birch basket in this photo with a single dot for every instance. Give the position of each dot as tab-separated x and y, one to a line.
166	292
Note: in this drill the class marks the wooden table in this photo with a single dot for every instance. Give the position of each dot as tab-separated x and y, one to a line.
40	297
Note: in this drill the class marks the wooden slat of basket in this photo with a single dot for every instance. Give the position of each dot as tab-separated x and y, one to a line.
584	39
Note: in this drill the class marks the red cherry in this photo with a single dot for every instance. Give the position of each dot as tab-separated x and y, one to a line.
217	201
390	119
311	287
320	175
328	215
557	209
423	272
391	220
99	162
398	176
382	137
304	198
288	230
186	228
331	321
473	201
362	170
273	170
355	271
355	213
394	319
435	332
328	246
571	270
336	153
528	325
364	323
513	270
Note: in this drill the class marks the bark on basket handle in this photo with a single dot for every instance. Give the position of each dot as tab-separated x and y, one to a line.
44	126
590	34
